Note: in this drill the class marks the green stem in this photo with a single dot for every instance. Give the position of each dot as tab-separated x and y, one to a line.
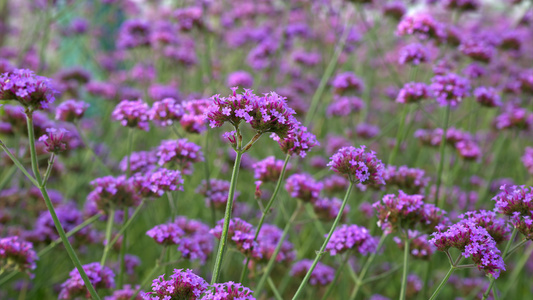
173	209
266	211
108	230
227	216
321	251
126	225
33	152
272	260
516	271
442	283
49	169
366	266
18	163
337	274
122	253
7	177
442	153
405	267
277	295
504	254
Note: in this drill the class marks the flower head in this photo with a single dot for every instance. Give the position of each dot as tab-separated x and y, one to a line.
100	277
179	152
30	90
413	53
166	112
348	237
450	89
413	92
116	192
347	82
303	187
228	291
421	25
358	165
298	141
495	226
17	254
215	192
71	110
55	140
132	114
182	284
322	274
513	199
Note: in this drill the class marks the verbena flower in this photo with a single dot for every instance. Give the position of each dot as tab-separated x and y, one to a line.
157	183
298	141
411	180
473	241
132	114
182	284
193	119
113	192
514	117
450	89
527	159
413	92
495	226
268	169
303	187
240	232
179	152
55	140
165	112
126	293
477	49
141	161
487	96
419	245
267	241
215	193
399	212
413	54
17	254
352	237
347	82
30	90
100	277
134	33
335	184
228	291
513	199
240	78
421	25
344	105
524	224
71	110
69	216
328	209
322	275
358	165
366	131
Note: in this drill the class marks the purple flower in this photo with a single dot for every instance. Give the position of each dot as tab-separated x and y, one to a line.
228	291
474	70
132	114
303	187
419	245
240	232
55	140
487	96
113	192
71	110
69	216
344	106
358	165
298	141
473	241
450	89
267	241
189	17
215	193
133	33
100	277
468	149
514	117
477	49
17	254
513	199
348	237
347	82
413	92
181	153
411	180
240	78
269	169
182	284
157	183
527	159
304	58
524	224
193	119
166	112
322	274
328	209
423	26
496	227
126	293
366	131
399	212
141	161
30	90
413	53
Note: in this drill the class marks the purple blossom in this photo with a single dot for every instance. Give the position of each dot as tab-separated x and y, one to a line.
422	25
267	241
348	237
215	193
335	184
166	112
303	187
126	293
134	33
473	241
30	90
419	245
413	53
413	92
487	96
298	141
411	180
240	78
17	254
399	212
69	216
513	199
189	17
182	284
477	49
366	131
141	161
450	89
524	224
322	275
514	117
71	110
496	227
100	277
328	209
527	159
194	119
228	291
304	58
347	82
179	152
474	70
269	169
240	232
394	9
132	114
344	106
113	192
157	183
358	165
55	140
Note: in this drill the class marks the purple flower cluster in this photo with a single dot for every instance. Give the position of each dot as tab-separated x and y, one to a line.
157	183
335	184
228	291
132	114
69	216
179	152
215	192
328	209
411	180
240	232
322	275
344	105
414	54
191	236
17	254
30	90
303	187
348	237
394	9
299	141
240	78
193	119
113	192
477	49
126	293
527	159
421	25
495	226
133	33
473	241
347	82
358	165
100	277
269	113
71	110
182	284
513	199
366	131
514	117
141	161
413	92
419	245
165	112
55	140
268	169
450	89
267	241
487	96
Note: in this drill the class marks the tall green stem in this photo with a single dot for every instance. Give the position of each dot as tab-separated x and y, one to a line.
50	206
367	264
442	283
227	216
266	211
517	269
108	230
507	247
321	251
337	275
405	267
270	265
441	151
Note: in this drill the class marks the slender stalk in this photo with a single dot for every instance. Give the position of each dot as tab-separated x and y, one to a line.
399	135
272	261
227	216
321	251
405	267
337	274
173	209
126	225
108	230
442	283
49	168
516	271
18	163
277	295
504	254
367	264
122	253
207	180
33	152
7	177
442	153
266	211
